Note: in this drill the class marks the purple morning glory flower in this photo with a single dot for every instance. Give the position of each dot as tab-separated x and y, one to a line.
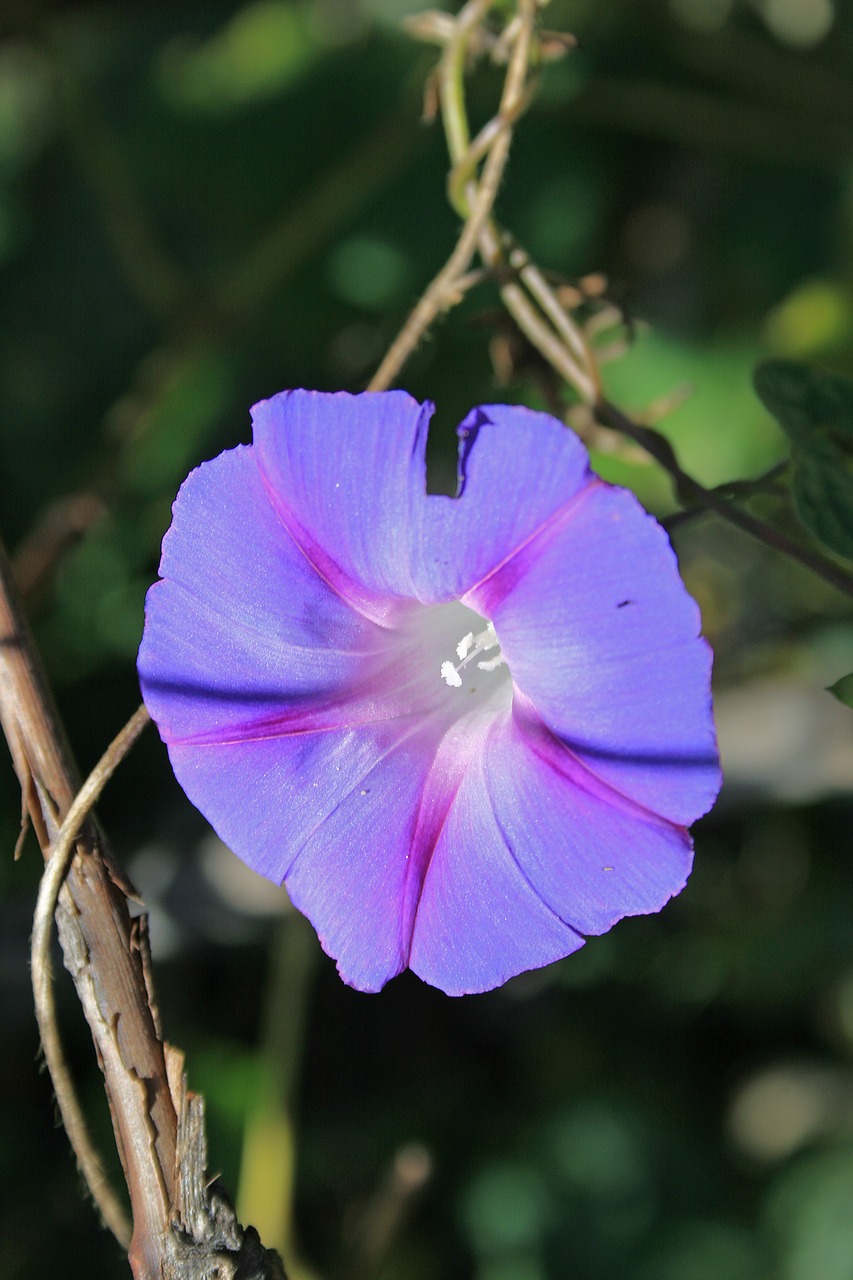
465	732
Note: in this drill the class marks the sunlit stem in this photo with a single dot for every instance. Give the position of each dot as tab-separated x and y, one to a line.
562	345
451	75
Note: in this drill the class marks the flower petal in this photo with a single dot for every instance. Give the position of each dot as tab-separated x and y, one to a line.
347	475
479	921
288	661
593	856
532	853
519	471
332	815
241	628
602	637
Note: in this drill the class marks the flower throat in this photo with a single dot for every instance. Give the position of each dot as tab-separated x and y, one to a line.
468	650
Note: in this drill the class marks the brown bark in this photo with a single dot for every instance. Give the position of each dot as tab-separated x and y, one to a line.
182	1228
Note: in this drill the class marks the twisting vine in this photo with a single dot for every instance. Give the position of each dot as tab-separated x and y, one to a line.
566	344
53	878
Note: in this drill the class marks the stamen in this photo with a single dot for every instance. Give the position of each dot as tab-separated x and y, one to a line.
492	664
464	646
451	675
468	648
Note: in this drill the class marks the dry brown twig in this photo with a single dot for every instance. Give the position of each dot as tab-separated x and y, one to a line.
56	869
181	1226
449	285
526	295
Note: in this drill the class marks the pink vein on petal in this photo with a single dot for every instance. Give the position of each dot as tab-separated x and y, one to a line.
557	755
367	604
429	826
556	520
317	716
389	751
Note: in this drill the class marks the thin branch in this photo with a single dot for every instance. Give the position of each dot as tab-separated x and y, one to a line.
542	292
447	287
105	953
733	489
532	302
541	335
452	76
475	200
545	323
52	880
444	290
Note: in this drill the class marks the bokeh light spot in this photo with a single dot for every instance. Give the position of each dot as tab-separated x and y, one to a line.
367	272
803	23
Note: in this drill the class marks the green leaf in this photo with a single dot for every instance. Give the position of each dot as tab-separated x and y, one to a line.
815	409
843	690
822	489
810	405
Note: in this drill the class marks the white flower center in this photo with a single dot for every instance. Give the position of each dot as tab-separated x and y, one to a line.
468	650
448	659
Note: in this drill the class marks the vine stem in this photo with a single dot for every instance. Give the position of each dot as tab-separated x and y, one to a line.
765	483
576	366
552	331
55	871
478	197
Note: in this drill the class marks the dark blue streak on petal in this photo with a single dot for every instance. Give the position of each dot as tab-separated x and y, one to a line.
467	433
239	697
629	685
575	760
661	759
591	855
291	714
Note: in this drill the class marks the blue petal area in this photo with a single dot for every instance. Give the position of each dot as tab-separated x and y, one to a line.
242	629
603	639
519	471
531	853
347	474
351	877
332	815
479	920
295	676
591	855
348	477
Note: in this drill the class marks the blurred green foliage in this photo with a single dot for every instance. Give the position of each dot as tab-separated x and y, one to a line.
203	203
815	409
